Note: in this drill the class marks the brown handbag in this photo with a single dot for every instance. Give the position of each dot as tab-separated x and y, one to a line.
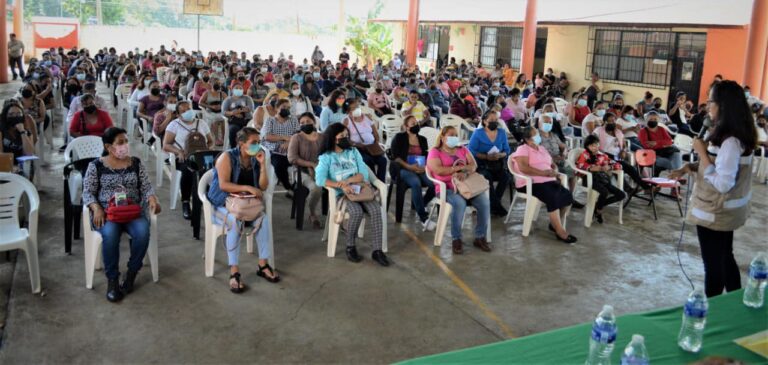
366	193
244	207
472	185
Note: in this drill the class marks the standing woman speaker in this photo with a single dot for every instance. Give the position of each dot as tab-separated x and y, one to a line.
721	195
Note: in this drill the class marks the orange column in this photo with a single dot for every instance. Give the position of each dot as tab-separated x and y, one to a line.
754	64
18	18
529	39
3	45
412	32
764	94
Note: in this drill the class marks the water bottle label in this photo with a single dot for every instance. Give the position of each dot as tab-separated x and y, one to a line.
603	335
694	312
757	274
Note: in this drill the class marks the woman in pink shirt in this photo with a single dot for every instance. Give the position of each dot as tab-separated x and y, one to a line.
442	165
535	161
377	100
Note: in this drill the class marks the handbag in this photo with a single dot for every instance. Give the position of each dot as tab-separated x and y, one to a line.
244	207
365	194
473	184
667	152
373	149
122	210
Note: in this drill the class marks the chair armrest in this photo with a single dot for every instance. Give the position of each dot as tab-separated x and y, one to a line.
563	179
439	184
585	173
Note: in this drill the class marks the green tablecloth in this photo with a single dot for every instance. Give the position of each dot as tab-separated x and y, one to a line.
728	319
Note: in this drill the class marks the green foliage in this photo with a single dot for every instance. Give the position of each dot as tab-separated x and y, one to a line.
369	40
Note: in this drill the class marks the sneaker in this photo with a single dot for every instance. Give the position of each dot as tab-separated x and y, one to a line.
428	225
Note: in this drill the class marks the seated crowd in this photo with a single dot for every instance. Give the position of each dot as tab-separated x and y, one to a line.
318	124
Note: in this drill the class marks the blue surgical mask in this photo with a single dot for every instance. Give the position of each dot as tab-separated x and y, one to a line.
80	77
237	92
600	112
537	139
189	115
746	93
253	149
546	127
316	75
452	141
582	102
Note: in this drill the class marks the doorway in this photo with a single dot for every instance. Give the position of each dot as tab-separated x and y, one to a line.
540	52
687	66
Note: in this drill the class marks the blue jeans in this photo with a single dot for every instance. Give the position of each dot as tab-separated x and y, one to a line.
415	182
459	205
233	236
110	232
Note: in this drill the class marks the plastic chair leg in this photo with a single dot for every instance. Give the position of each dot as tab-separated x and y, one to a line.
34	266
590	209
152	250
442	222
508	218
530	212
361	231
175	188
333	235
210	250
400	191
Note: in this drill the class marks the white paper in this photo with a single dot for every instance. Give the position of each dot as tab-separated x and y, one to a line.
493	150
26	158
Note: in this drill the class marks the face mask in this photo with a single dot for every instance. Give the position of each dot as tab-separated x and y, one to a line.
253	149
493	125
385	77
422	91
339	102
285	113
746	93
629	118
279	85
344	143
90	109
26	93
217	69
296	92
653	123
362	77
582	102
264	69
402	84
452	141
72	88
199	63
13	121
35	75
122	151
357	112
610	127
171	107
415	129
237	92
546	127
80	77
495	93
241	78
600	112
188	115
657	105
307	128
537	139
155	91
378	90
184	73
206	78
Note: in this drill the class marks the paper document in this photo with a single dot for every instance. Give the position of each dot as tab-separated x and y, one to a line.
757	343
493	150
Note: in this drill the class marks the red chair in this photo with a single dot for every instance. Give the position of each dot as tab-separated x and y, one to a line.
646	159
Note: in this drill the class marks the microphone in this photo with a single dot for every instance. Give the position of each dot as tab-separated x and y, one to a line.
705	128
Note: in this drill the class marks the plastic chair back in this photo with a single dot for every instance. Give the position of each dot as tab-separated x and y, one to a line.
684	143
645	158
431	134
84	147
451	120
10	195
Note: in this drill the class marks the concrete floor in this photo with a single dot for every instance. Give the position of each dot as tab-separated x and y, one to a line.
333	311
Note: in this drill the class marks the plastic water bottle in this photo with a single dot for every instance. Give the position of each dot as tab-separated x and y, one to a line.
758	277
603	337
694	319
635	352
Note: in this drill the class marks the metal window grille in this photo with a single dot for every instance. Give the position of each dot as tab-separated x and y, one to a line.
630	56
501	44
429	37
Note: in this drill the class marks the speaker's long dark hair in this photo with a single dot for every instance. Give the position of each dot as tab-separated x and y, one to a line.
734	119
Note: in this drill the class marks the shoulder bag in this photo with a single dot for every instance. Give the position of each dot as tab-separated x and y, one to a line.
473	184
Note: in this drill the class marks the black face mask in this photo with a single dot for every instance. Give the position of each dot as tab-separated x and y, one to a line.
155	91
26	93
260	82
415	129
402	84
412	81
206	78
378	91
610	127
307	128
285	113
90	109
13	121
73	88
241	78
463	95
653	124
657	105
493	125
344	143
216	87
503	104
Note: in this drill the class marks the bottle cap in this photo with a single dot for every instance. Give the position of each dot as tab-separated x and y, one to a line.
638	338
608	308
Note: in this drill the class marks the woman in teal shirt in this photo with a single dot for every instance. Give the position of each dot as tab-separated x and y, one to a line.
332	112
341	167
492	165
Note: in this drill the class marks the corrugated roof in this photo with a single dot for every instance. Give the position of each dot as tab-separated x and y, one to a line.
678	12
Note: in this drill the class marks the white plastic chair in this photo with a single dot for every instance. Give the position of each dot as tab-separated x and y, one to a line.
430	134
13	237
560	105
92	241
532	204
174	176
445	211
685	145
214	231
78	149
762	165
123	92
461	125
391	125
592	195
332	228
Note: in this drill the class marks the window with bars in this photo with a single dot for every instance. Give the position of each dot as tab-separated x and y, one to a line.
631	57
501	44
429	40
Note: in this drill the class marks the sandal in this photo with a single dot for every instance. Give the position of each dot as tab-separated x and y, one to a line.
569	240
240	287
261	273
315	223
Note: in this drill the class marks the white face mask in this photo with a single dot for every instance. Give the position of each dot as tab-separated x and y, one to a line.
171	107
296	92
357	112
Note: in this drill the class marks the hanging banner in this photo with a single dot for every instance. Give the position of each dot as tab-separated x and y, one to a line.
55	32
